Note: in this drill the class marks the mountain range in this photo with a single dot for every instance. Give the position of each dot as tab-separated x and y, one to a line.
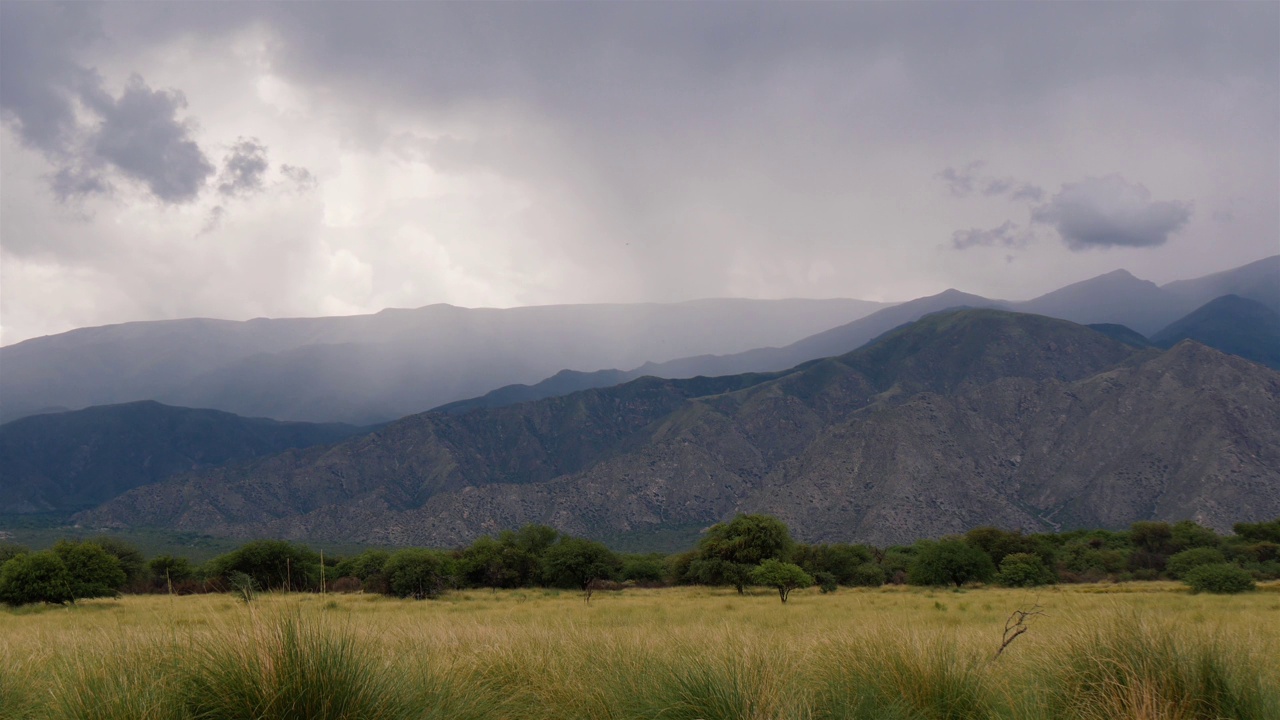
1117	298
375	368
372	368
960	419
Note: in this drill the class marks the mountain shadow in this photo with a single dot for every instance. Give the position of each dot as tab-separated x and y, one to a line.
62	462
1232	324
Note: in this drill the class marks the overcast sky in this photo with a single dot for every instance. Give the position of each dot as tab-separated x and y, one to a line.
237	160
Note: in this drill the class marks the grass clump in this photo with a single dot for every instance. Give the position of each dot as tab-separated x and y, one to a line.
901	678
1135	669
287	668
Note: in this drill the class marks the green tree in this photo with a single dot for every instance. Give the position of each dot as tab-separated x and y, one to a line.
838	560
577	562
10	550
1186	534
167	568
131	560
648	568
1219	578
523	549
1023	570
1153	537
729	552
35	578
362	566
782	576
1259	532
867	575
419	573
998	544
949	562
92	571
273	565
492	564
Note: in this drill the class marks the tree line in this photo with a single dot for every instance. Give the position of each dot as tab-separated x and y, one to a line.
747	551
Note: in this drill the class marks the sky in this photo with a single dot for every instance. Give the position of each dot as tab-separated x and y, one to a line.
240	160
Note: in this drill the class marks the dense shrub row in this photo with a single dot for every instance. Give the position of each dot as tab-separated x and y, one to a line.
748	550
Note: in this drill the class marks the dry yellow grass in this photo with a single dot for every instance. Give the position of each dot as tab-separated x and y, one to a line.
536	653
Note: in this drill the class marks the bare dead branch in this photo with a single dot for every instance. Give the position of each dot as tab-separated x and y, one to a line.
1018	623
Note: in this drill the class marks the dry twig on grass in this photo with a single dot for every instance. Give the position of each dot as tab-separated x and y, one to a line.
1018	622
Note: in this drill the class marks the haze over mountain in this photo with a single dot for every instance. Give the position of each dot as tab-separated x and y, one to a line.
59	462
961	419
1117	298
372	368
1232	324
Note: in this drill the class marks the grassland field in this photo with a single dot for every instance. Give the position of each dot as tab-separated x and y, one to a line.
1137	650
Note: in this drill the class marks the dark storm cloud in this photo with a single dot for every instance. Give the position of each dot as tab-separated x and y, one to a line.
1009	235
39	80
141	137
243	168
42	88
1109	212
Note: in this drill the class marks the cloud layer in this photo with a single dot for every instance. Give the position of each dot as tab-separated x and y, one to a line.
234	160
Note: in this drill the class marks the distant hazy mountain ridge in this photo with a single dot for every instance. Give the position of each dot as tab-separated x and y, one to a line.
372	368
1116	299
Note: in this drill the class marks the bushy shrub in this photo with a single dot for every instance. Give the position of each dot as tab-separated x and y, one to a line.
1184	561
362	566
91	570
10	550
1023	570
346	584
647	569
35	578
826	582
1219	578
867	575
273	564
131	560
950	562
577	562
418	574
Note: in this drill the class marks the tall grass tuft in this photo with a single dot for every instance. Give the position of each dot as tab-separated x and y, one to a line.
123	681
16	702
742	685
900	678
285	668
1133	668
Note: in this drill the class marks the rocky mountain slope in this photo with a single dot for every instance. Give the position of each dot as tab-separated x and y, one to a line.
60	462
961	419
